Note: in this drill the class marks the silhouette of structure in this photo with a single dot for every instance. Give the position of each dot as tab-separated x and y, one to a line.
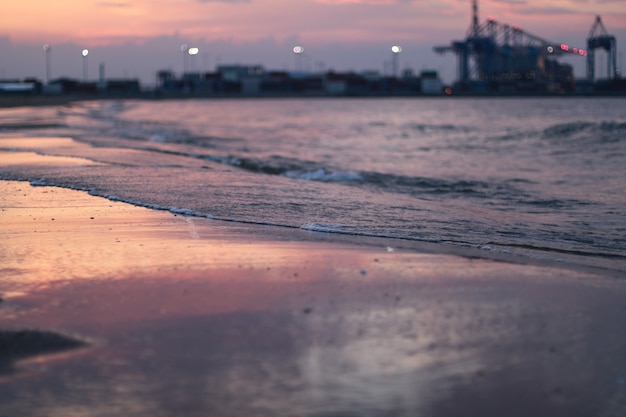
506	58
599	38
255	80
493	58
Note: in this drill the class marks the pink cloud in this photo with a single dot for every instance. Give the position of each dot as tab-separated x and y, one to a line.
374	2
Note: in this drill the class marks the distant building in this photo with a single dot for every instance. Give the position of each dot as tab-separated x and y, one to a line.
251	85
235	73
17	87
335	84
70	86
122	86
116	87
430	83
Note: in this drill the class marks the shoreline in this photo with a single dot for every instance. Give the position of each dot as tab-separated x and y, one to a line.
209	317
57	100
530	257
22	164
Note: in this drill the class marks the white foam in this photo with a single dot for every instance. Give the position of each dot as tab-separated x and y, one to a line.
320	227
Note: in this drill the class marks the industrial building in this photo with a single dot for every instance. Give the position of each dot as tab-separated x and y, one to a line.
255	80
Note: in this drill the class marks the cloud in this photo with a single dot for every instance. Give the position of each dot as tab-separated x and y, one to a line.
223	1
536	8
545	11
373	2
514	2
113	4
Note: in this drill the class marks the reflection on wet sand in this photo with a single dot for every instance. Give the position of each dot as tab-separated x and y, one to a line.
187	316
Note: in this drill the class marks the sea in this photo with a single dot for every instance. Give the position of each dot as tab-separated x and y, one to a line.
532	179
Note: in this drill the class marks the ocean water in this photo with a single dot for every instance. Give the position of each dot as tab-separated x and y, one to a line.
536	178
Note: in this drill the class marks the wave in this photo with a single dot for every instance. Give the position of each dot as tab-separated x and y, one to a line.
590	132
312	171
498	193
446	127
505	192
496	247
606	131
102	119
325	176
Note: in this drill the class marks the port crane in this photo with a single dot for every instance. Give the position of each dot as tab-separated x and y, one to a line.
501	54
599	38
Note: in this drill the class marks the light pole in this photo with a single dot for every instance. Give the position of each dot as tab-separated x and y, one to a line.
46	49
85	53
395	51
184	48
298	51
192	53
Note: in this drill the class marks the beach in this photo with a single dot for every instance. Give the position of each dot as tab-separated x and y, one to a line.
186	316
164	258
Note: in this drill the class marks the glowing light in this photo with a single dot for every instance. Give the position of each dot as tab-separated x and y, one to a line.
193	51
448	90
564	47
298	49
85	52
396	49
550	49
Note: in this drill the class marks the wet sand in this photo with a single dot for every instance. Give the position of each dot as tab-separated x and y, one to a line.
188	316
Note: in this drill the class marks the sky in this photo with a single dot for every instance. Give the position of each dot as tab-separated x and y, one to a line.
136	38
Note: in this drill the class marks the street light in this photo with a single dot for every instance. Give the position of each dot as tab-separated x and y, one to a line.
84	53
395	51
298	51
46	49
192	53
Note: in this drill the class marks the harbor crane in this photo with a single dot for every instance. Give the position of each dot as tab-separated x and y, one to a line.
599	38
503	56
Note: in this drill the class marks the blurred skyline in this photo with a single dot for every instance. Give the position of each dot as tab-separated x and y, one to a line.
136	38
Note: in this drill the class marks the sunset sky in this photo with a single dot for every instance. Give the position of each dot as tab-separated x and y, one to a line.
134	38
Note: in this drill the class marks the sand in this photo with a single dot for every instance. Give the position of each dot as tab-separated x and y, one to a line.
172	315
